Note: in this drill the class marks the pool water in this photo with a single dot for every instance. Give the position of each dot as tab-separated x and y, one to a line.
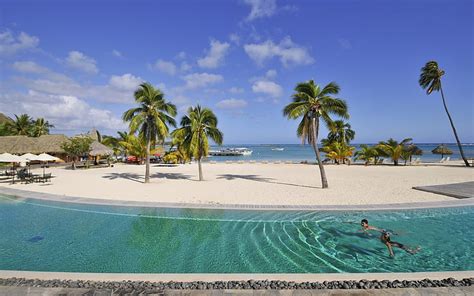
65	237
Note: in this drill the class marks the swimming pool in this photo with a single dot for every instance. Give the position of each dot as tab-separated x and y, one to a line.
41	235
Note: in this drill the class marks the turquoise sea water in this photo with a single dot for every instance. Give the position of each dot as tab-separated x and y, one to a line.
52	236
297	152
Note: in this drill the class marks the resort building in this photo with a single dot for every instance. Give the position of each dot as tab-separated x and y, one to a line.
50	144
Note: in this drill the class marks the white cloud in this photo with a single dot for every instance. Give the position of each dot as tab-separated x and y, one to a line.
268	88
185	67
271	74
165	67
125	82
67	113
236	90
287	51
80	61
261	8
215	55
231	104
117	53
234	38
197	80
10	45
29	67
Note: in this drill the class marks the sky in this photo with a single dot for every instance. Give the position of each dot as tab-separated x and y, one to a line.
77	63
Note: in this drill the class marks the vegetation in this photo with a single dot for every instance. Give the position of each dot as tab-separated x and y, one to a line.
77	147
394	149
340	132
197	126
180	155
430	79
134	146
339	152
368	154
24	125
151	119
314	104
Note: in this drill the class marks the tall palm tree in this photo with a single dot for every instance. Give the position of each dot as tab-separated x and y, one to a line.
394	149
197	126
340	131
41	127
430	79
21	125
314	104
151	118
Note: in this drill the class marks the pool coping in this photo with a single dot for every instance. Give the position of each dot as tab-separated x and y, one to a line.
26	194
208	277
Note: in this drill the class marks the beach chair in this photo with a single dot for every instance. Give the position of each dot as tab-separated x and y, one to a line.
240	162
252	161
442	160
447	159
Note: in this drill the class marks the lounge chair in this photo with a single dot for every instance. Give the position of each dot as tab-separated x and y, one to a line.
447	159
442	160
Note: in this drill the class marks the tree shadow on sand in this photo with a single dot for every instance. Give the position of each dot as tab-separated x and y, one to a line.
257	178
172	176
140	179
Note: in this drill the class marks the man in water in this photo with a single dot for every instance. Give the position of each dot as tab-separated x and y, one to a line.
385	239
366	227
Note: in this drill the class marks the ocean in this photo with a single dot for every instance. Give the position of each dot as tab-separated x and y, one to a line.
298	152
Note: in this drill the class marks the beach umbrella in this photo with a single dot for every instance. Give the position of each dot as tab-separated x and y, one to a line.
7	157
442	149
44	157
29	157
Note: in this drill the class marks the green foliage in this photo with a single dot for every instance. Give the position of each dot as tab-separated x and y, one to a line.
40	127
368	154
394	149
134	146
24	125
340	131
430	77
339	152
77	147
197	126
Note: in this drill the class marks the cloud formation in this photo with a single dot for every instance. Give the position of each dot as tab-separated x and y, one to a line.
269	88
288	52
215	55
261	8
80	61
231	104
165	67
11	44
197	80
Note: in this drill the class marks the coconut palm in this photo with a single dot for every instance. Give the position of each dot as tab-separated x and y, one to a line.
341	132
197	126
339	152
430	79
21	125
40	127
394	149
314	104
135	146
151	118
367	154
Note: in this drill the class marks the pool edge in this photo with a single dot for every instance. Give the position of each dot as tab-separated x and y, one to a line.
296	277
17	193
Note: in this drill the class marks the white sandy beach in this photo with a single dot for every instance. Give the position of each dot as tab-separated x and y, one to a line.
266	184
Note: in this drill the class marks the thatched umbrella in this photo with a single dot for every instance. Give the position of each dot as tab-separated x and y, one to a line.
442	149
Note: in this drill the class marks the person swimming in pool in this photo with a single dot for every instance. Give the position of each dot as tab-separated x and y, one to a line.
366	227
385	239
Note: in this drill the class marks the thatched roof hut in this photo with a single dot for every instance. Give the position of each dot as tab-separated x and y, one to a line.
50	144
4	118
99	149
443	150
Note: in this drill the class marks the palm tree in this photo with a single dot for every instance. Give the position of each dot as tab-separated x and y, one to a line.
197	126
367	154
430	79
21	126
339	152
134	146
151	118
341	132
40	127
313	104
393	149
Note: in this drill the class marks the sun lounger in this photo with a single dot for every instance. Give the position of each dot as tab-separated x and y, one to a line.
442	160
447	159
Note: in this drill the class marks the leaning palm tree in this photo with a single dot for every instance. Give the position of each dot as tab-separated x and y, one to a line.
314	104
430	79
151	118
197	126
40	127
341	132
21	126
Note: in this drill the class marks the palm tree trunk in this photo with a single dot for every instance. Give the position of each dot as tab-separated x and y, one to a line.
324	180
199	158
147	160
200	169
454	129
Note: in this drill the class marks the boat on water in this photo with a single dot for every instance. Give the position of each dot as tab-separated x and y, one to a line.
231	152
278	149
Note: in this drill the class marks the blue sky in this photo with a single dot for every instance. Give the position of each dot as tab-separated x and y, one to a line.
77	63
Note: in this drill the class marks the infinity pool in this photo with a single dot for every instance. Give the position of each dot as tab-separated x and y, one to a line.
52	236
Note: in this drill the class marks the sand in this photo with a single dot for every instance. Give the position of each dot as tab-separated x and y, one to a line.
264	184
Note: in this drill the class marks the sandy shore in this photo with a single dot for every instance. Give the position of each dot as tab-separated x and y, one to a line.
265	184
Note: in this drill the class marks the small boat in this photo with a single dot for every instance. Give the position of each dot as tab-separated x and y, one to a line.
278	149
244	151
231	152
